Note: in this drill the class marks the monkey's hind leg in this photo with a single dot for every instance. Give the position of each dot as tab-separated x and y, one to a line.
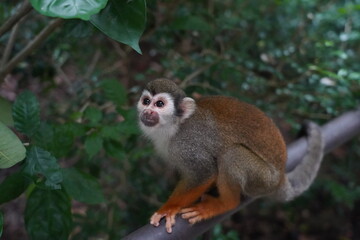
240	172
229	198
228	190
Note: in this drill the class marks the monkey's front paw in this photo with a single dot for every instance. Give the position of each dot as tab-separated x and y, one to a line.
169	217
155	219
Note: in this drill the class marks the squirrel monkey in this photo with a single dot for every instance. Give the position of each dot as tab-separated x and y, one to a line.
220	142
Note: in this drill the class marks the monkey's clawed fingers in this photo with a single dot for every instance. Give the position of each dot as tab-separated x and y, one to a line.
155	219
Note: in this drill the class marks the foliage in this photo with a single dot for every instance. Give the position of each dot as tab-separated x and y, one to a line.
68	9
26	114
89	174
11	149
41	162
14	185
82	187
123	21
51	187
48	214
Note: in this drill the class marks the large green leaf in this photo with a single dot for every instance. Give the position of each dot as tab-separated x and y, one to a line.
39	161
26	113
12	187
12	150
82	187
123	21
82	9
48	215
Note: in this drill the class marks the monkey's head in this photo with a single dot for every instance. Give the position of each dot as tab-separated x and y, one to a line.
163	104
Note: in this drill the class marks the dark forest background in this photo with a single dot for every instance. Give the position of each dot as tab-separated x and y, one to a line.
295	59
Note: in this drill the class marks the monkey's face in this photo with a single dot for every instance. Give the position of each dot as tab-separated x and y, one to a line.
162	108
155	111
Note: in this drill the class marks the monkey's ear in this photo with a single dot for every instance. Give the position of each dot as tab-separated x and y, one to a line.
188	106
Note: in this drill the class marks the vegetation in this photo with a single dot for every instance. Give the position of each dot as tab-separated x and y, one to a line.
74	165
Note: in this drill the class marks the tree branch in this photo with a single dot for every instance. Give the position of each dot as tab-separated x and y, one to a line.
30	47
9	45
25	9
335	133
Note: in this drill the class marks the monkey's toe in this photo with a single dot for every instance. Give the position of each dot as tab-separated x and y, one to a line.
170	222
192	214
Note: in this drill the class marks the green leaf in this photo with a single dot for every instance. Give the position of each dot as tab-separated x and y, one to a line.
93	144
115	149
82	9
110	132
82	187
48	215
12	187
118	130
51	136
5	112
123	21
12	150
129	127
341	193
26	113
114	91
93	114
44	136
39	161
77	129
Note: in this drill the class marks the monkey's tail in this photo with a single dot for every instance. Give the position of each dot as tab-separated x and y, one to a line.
299	180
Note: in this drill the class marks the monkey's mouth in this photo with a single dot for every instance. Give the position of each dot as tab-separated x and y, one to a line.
149	120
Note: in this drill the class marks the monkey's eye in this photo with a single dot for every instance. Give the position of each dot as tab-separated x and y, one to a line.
146	101
159	103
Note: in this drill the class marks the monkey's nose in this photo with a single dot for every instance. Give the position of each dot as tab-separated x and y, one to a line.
149	112
149	117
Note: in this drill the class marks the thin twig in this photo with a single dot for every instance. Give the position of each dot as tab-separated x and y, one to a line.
9	45
40	38
92	65
25	9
